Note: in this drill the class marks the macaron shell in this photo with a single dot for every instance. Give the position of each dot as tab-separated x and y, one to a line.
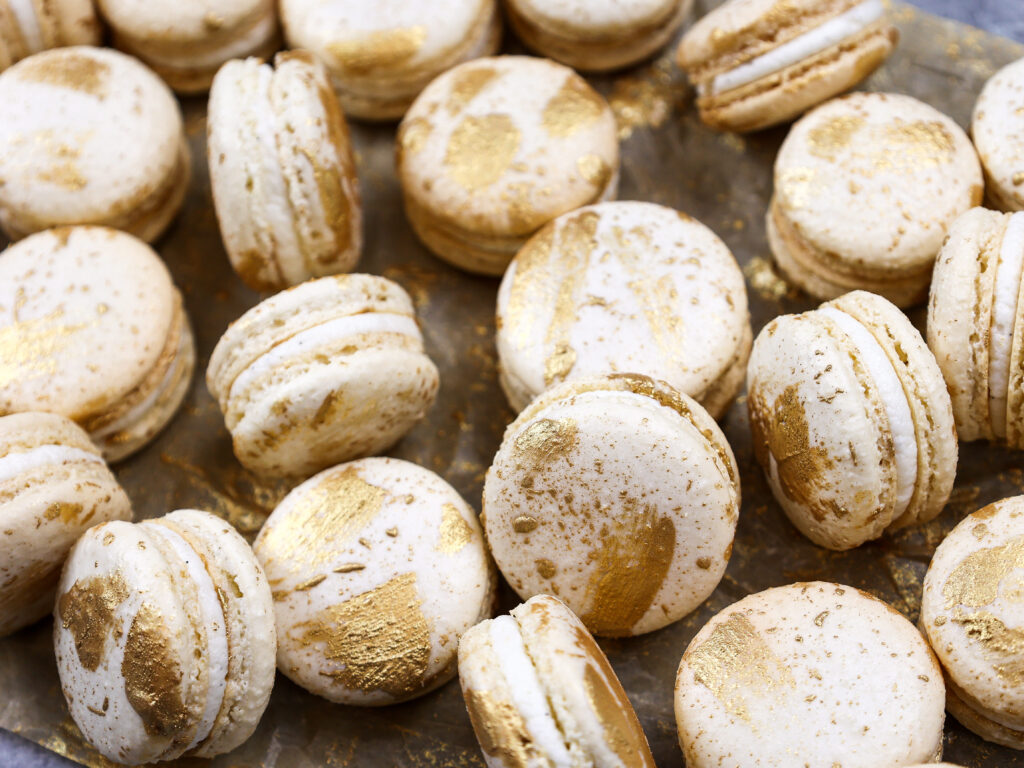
57	24
998	130
981	725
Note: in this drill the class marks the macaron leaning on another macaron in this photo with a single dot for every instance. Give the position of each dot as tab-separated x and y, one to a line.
382	54
377	568
851	421
164	637
998	131
597	36
756	63
866	187
93	328
624	286
53	486
186	43
540	691
283	172
31	26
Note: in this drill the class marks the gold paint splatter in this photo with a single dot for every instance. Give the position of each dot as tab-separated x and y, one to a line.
704	563
152	676
559	364
481	149
643	101
87	612
68	512
349	568
467	86
830	138
380	49
455	531
524	524
974	583
575	106
74	70
545	441
819	620
594	170
1018	179
546	568
28	348
500	729
310	583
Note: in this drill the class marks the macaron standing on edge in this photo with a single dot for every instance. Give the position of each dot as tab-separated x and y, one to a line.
998	131
28	27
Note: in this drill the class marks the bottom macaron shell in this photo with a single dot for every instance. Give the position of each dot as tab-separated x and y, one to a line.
974	721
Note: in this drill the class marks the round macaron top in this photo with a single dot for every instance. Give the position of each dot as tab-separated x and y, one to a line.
88	135
872	181
162	24
619	495
812	673
998	131
587	19
972	609
500	146
616	287
377	567
85	317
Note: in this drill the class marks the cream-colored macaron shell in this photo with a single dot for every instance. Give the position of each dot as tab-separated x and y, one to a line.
164	636
89	136
619	287
382	54
851	421
186	43
617	494
31	26
540	691
496	148
53	485
377	568
809	674
998	131
283	172
330	370
91	327
866	187
597	36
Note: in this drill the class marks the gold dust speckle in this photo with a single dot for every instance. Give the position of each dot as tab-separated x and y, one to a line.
152	676
559	364
467	85
64	175
524	524
1018	179
643	101
87	612
500	729
546	568
575	106
481	149
819	620
455	531
766	281
77	71
380	49
28	347
831	137
310	583
67	511
545	441
703	563
414	134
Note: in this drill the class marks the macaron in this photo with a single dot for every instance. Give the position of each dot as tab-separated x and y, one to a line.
976	324
617	494
809	674
330	370
540	691
377	568
597	36
89	136
496	148
851	421
998	130
866	187
93	328
186	43
970	613
31	26
53	485
382	54
283	172
620	287
164	637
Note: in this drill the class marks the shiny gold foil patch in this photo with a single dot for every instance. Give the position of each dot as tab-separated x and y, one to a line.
152	675
378	50
830	138
622	731
455	531
481	149
574	107
87	612
974	583
545	441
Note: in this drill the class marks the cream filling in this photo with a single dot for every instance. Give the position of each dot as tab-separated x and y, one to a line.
326	333
819	39
1004	317
28	23
13	464
212	613
526	692
894	400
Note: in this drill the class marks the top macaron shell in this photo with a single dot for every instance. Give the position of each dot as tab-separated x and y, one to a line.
89	136
998	131
625	286
31	26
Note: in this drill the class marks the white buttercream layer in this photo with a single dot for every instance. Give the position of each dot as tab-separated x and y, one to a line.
1004	317
28	23
13	464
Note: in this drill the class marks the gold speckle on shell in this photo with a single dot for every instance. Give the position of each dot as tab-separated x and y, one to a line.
481	149
77	71
455	532
575	106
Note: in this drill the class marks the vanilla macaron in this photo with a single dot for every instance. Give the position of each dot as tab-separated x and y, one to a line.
971	615
620	287
164	637
381	54
597	36
851	421
93	328
53	485
327	371
998	131
809	674
31	26
539	691
283	172
186	43
756	63
976	324
377	568
866	187
617	494
89	136
496	148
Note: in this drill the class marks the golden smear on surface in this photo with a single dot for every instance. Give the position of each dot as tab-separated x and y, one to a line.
734	662
467	86
67	511
481	149
1002	645
974	583
622	731
28	348
330	180
575	106
77	71
381	49
830	138
594	170
500	729
532	271
87	612
559	364
455	531
545	441
65	174
377	641
152	675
